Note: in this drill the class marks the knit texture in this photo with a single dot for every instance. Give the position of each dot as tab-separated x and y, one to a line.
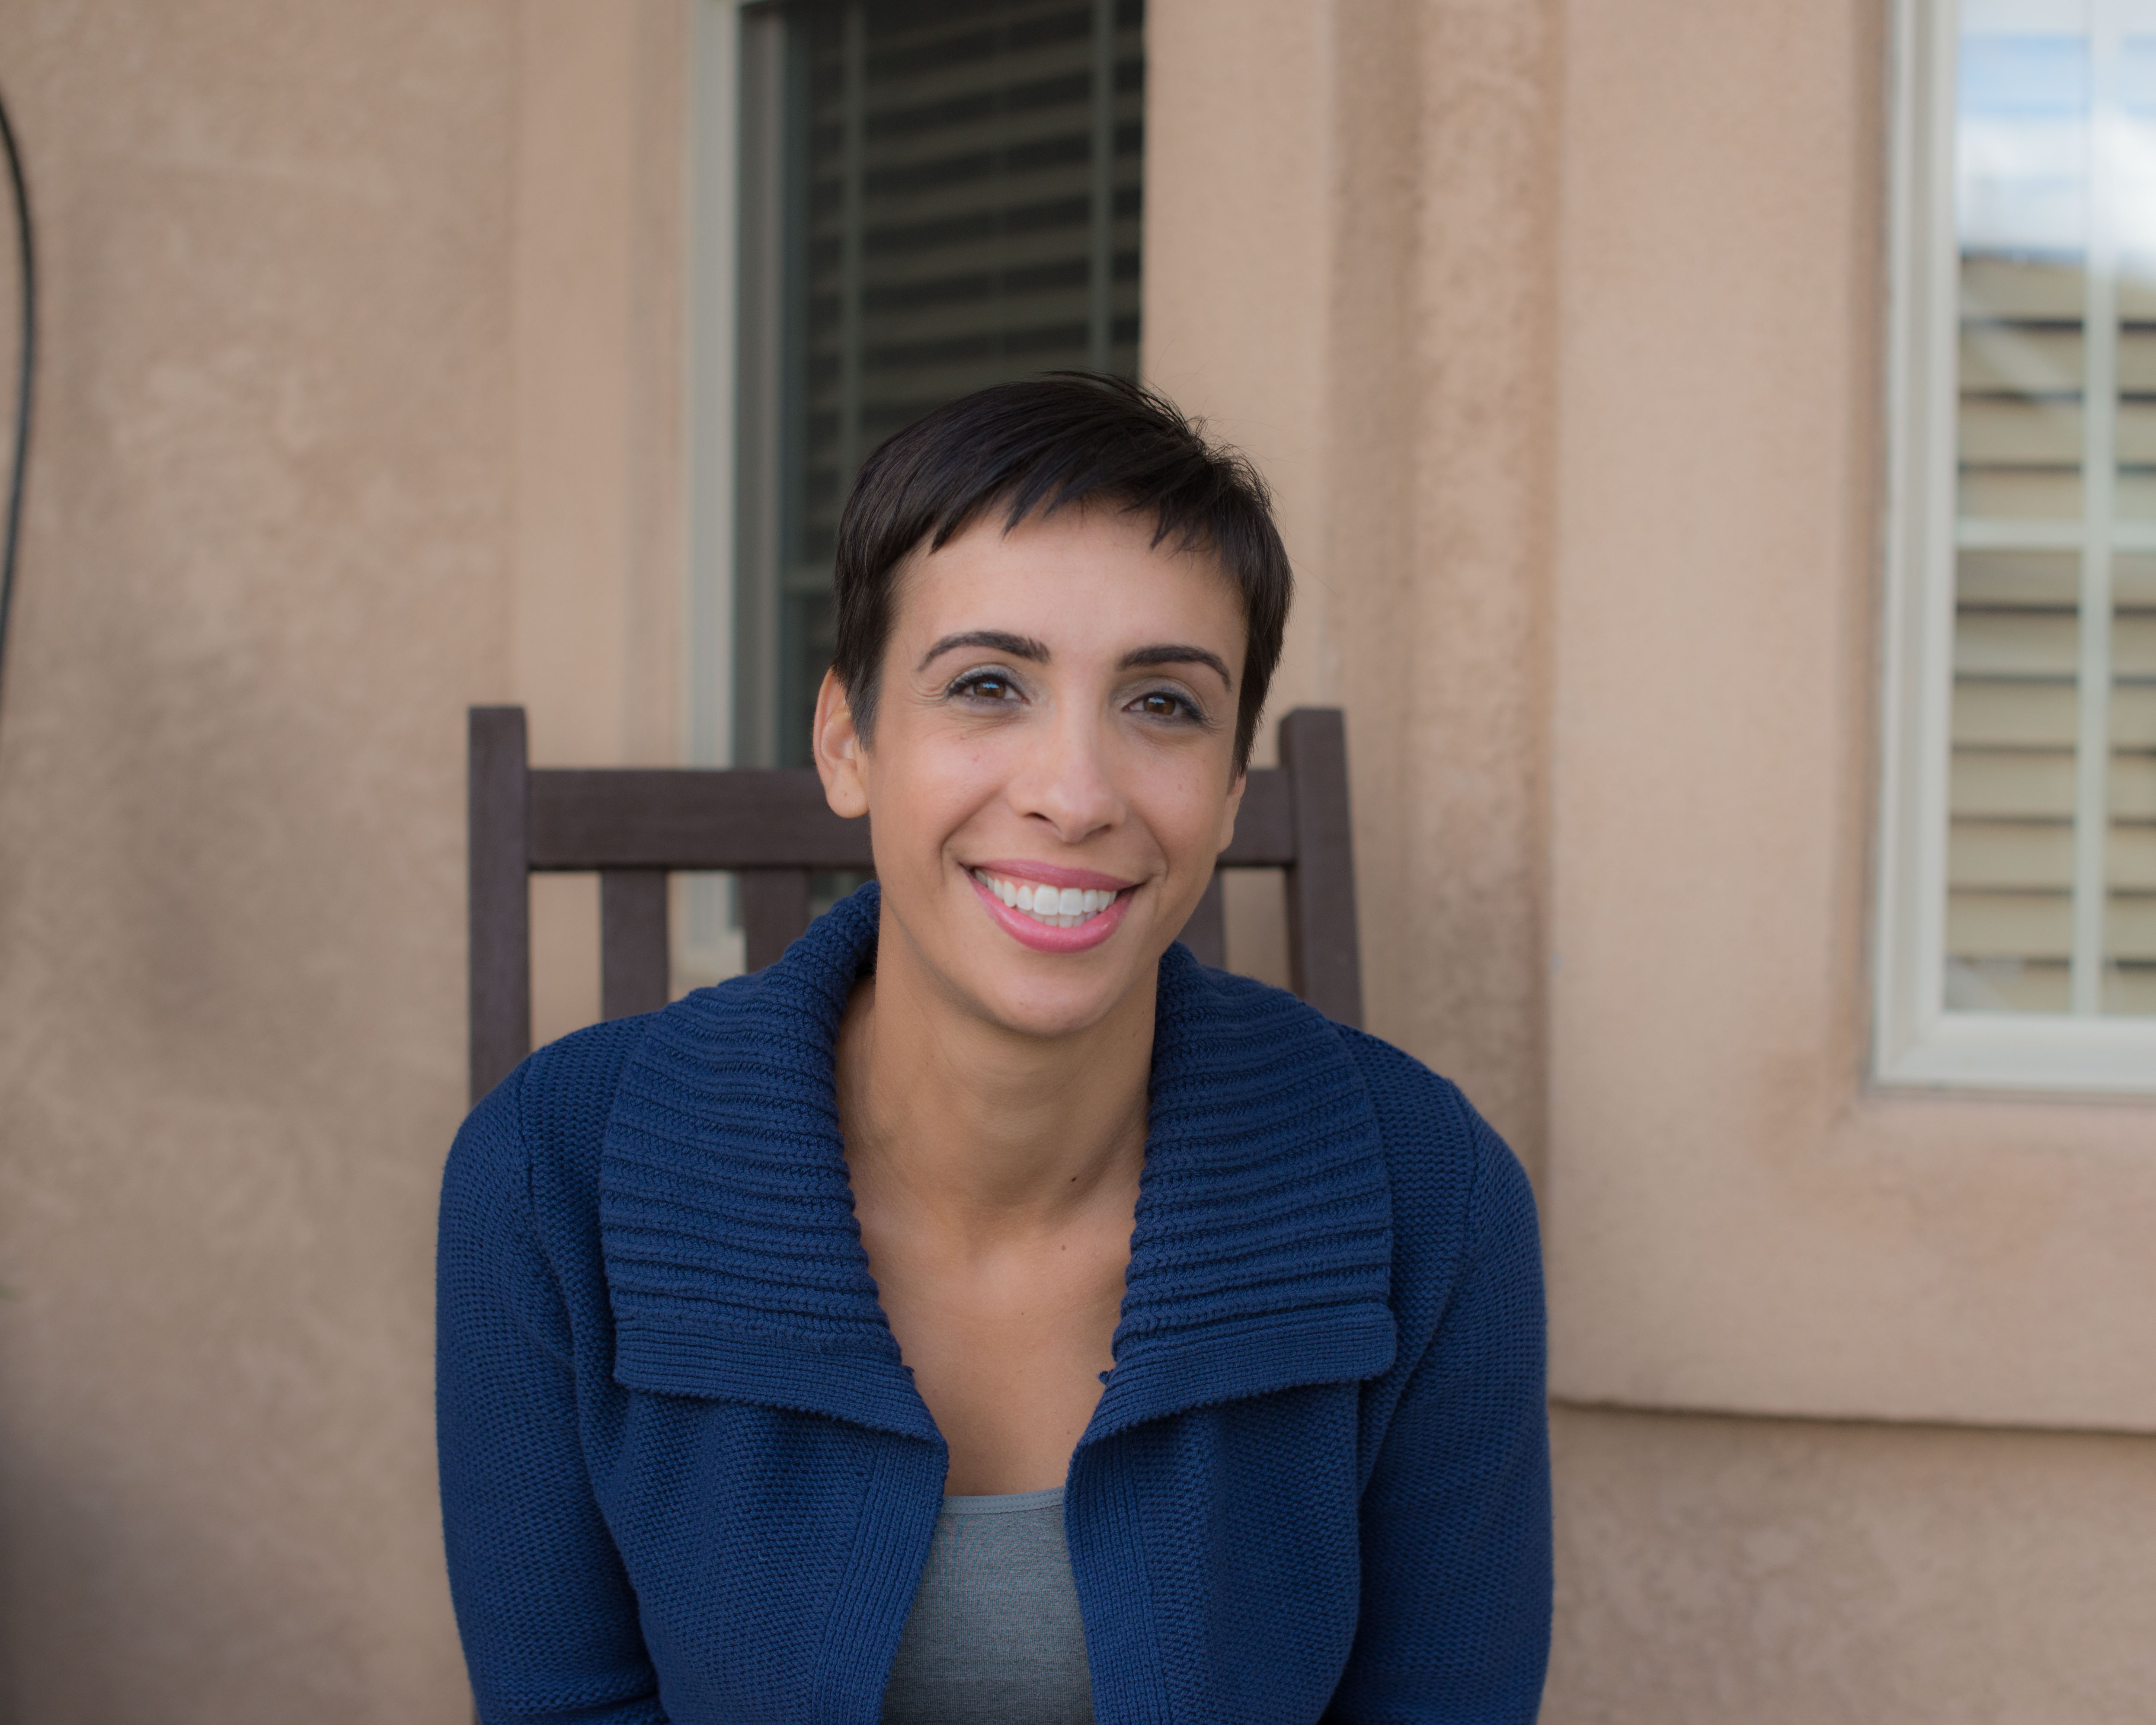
686	1475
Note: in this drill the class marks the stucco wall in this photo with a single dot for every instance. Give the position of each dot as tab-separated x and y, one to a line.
1790	1573
361	402
266	568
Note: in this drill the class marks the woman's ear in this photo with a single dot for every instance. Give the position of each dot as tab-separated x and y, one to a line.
1232	808
839	751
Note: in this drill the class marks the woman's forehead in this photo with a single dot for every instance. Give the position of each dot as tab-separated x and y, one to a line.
1095	567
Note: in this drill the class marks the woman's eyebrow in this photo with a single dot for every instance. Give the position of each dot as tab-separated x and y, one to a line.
1018	646
1173	654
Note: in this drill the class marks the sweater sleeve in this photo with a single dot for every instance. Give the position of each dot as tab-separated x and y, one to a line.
1456	1541
548	1620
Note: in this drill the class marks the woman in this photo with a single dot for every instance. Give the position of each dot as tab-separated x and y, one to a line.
986	1312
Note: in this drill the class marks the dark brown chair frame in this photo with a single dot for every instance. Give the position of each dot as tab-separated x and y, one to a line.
632	826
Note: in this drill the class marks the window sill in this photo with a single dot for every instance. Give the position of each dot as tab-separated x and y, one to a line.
2029	1053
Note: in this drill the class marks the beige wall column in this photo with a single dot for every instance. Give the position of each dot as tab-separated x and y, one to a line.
602	154
1465	895
1349	214
599	264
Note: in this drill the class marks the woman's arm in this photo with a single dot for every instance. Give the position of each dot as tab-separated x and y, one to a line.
548	1620
1456	1564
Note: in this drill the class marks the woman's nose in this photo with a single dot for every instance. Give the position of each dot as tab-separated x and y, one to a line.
1066	780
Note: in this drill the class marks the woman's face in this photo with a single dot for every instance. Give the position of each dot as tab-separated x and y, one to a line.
1051	773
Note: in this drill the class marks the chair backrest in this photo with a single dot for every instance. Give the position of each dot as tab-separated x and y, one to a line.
632	826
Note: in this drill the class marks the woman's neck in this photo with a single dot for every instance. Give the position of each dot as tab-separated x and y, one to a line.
975	1130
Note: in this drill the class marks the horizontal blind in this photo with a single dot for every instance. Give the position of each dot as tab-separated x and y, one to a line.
961	184
2052	792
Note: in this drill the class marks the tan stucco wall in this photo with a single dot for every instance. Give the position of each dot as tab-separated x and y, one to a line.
1786	1573
598	272
266	568
360	403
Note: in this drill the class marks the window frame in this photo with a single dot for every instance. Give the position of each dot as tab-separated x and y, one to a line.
707	931
1916	1039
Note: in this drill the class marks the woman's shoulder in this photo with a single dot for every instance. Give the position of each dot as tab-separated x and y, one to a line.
538	1135
1464	1211
1434	1139
1454	1183
1426	1123
545	1128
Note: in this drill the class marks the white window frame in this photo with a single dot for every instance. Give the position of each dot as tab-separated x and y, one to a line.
708	938
1917	1040
714	110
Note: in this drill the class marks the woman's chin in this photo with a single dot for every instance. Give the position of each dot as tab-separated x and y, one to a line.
1060	995
1049	1008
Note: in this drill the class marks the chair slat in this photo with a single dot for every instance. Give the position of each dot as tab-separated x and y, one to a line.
1265	825
1326	966
774	907
499	905
1206	933
635	959
689	818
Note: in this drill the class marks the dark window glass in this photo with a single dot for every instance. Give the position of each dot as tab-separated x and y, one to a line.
937	195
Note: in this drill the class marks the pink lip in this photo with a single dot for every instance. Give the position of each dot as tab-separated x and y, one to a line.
1049	874
1039	936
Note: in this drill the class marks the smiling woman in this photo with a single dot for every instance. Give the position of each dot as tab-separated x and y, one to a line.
986	1312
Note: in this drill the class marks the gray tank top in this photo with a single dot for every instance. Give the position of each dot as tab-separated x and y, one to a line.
995	1637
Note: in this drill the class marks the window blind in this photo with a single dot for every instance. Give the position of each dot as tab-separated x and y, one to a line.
2050	861
937	195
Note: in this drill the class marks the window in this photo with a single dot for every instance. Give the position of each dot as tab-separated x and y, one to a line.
2018	916
895	201
936	195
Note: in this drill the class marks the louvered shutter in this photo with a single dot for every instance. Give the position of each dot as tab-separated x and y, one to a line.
2052	792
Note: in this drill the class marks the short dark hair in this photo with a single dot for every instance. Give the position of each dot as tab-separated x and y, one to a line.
1066	438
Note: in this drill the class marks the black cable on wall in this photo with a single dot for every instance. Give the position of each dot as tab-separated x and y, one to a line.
27	254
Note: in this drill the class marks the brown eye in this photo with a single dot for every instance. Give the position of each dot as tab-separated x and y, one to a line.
1161	705
985	685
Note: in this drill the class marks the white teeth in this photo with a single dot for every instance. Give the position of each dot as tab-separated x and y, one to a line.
1065	907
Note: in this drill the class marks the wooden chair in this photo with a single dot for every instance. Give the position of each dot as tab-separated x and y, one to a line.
772	828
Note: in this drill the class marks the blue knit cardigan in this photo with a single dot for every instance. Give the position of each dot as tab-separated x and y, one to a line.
686	1475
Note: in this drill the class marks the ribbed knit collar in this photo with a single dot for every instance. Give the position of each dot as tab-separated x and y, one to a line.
1260	1259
